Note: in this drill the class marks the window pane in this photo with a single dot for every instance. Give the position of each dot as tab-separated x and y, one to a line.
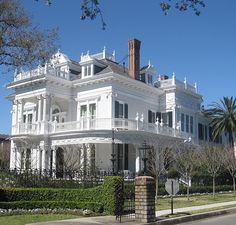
92	110
121	111
83	111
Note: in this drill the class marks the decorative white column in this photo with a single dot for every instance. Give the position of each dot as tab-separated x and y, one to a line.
44	159
15	117
39	113
137	160
39	158
39	108
54	154
44	107
20	114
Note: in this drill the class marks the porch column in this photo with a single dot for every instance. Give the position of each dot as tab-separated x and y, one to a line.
39	113
15	117
43	159
39	163
137	160
20	115
54	154
44	107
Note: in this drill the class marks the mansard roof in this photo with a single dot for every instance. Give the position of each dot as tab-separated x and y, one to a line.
114	67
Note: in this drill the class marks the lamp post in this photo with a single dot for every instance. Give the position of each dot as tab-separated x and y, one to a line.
113	159
144	148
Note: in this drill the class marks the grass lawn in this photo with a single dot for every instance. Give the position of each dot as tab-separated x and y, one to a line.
24	219
180	202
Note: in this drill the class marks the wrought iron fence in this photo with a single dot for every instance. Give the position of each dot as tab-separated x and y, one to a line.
55	178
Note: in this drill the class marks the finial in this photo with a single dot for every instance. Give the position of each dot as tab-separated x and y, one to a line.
149	63
88	52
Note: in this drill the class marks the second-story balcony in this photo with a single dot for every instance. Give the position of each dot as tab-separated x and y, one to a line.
88	124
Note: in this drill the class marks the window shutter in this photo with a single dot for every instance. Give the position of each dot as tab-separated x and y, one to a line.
149	116
170	119
126	111
116	109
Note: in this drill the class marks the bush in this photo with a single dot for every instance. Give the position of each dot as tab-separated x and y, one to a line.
195	189
49	194
112	196
108	197
93	206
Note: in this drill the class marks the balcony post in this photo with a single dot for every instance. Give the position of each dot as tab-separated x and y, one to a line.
157	124
20	118
142	121
54	124
137	120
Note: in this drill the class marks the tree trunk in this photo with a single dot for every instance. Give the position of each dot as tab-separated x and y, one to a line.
188	192
234	184
156	189
213	186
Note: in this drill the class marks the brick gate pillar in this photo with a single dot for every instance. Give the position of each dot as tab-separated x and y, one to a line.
145	199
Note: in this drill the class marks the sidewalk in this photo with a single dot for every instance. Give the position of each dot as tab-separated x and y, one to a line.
188	209
112	221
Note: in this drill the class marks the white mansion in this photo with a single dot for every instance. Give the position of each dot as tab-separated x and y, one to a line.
66	113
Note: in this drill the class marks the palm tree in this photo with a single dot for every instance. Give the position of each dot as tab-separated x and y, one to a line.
223	115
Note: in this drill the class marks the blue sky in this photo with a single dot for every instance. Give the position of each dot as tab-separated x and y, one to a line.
202	49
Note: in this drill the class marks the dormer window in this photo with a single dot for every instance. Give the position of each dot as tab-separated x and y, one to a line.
149	76
87	70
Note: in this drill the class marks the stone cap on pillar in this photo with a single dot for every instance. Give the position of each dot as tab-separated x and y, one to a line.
144	180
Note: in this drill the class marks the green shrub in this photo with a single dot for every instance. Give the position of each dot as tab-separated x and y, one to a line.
112	196
93	206
109	196
50	194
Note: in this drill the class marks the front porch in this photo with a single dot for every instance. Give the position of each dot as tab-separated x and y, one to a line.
88	150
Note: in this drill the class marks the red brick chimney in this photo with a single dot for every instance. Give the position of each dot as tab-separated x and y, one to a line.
134	58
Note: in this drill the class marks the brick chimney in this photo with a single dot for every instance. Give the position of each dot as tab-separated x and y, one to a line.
134	58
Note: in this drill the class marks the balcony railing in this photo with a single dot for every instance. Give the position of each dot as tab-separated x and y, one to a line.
43	71
88	124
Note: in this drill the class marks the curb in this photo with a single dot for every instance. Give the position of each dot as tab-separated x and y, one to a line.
193	217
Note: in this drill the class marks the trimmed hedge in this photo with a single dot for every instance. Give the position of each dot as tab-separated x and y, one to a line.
93	206
50	194
105	197
112	196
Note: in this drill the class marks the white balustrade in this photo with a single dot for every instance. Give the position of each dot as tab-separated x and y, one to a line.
87	124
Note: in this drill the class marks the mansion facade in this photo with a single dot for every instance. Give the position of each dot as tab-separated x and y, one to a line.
69	114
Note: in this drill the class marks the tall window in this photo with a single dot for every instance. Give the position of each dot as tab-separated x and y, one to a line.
28	118
121	110
87	71
123	157
182	122
191	124
83	111
187	123
200	131
151	117
92	110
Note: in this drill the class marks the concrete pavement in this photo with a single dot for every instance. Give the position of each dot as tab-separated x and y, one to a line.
111	219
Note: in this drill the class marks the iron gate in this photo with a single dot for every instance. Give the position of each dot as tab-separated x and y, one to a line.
126	201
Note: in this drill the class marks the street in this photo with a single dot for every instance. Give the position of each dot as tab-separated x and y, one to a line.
218	220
